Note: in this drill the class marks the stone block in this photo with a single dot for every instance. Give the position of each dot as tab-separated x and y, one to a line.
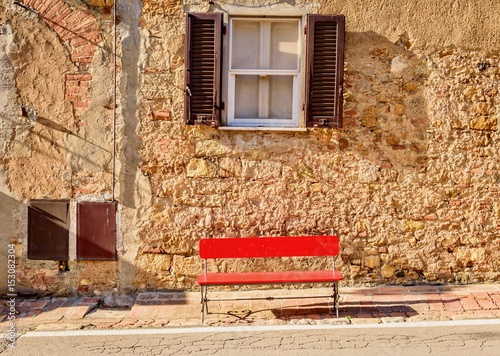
372	261
392	140
484	123
369	117
186	266
211	148
154	262
201	168
387	271
399	109
412	225
398	65
230	167
482	108
261	170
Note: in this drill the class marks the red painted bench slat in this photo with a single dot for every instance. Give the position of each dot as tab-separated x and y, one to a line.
254	247
269	277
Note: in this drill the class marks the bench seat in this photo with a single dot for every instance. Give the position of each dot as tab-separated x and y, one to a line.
269	277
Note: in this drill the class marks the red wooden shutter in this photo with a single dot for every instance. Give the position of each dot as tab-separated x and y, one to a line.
203	68
324	70
96	231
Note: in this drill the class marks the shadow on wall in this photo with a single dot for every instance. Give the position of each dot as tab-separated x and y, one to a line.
385	110
53	126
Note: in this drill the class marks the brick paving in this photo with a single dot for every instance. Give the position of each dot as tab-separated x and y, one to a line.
172	309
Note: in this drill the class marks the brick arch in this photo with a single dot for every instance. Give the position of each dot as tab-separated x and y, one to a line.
77	27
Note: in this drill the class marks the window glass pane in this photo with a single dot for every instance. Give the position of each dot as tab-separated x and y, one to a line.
280	97
246	45
246	96
284	45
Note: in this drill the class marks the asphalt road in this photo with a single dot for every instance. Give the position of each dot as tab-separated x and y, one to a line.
423	339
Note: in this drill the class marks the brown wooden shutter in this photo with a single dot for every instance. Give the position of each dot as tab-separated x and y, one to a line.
48	234
203	68
324	70
96	231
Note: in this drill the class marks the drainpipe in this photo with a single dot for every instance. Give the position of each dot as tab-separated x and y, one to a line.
114	106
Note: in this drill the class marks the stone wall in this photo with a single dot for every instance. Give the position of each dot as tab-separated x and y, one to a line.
410	182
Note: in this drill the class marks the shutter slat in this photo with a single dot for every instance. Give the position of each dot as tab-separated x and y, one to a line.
324	76
203	68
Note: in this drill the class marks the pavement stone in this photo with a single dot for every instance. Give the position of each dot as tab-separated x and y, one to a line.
383	304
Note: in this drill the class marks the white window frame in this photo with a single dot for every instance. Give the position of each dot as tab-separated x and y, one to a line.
296	75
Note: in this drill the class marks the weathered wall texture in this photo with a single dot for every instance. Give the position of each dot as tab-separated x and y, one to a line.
57	119
410	182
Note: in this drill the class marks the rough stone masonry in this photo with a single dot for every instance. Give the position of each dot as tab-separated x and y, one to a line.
410	182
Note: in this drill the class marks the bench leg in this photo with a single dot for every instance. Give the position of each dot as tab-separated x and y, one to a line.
336	298
202	305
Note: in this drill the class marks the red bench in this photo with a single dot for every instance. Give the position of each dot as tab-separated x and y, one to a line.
262	247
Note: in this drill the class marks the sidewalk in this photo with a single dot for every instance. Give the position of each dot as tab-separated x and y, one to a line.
176	309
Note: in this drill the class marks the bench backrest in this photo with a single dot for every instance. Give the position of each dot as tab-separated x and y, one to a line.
253	247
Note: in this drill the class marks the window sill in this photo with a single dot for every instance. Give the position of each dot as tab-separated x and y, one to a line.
257	128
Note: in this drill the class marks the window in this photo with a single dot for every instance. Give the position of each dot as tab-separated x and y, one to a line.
263	79
267	84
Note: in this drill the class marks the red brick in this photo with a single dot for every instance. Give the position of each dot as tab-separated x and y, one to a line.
79	76
484	300
496	298
70	20
81	104
29	2
74	90
434	302
44	6
469	303
86	24
451	302
35	4
74	21
72	83
82	59
61	32
78	41
61	15
92	35
57	5
85	50
77	312
161	115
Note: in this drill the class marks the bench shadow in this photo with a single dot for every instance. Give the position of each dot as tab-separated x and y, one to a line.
326	310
